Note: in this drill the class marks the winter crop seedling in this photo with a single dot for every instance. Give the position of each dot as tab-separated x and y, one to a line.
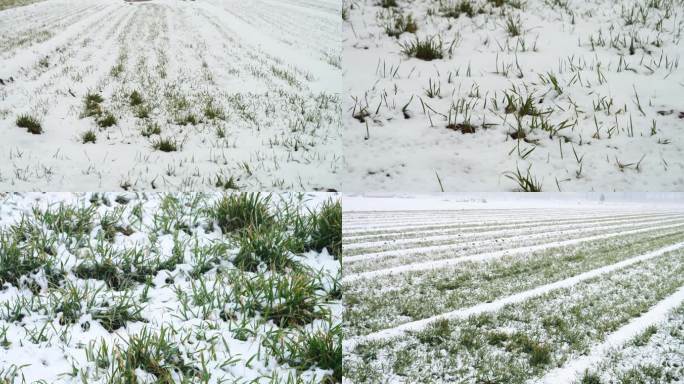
169	286
91	104
485	55
124	77
235	212
426	49
89	137
135	99
326	228
106	120
266	245
30	123
165	145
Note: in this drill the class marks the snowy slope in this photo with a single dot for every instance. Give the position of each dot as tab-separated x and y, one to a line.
602	81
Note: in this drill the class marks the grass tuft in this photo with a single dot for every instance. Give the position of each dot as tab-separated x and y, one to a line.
590	378
326	228
513	26
89	137
527	182
464	7
91	104
155	354
388	3
151	128
15	263
401	25
165	145
30	123
117	315
135	99
319	348
235	212
107	120
427	49
265	244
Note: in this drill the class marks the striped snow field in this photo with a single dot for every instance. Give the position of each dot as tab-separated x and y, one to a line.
512	299
427	229
500	233
428	222
571	371
488	255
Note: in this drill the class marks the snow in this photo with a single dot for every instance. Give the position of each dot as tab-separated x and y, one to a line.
209	338
615	109
371	202
279	124
570	371
516	298
484	256
464	287
548	234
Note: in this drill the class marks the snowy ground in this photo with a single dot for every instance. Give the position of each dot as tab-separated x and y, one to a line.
513	295
503	95
157	288
170	95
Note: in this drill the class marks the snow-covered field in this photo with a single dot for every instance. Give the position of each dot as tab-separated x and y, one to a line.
503	95
170	95
170	288
589	293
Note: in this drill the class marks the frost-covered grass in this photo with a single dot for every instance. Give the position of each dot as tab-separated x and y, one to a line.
555	95
384	302
446	231
521	341
655	356
449	252
484	239
510	317
399	227
170	96
121	288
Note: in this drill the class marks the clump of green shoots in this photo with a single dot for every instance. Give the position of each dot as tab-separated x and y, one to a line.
513	26
135	99
229	183
15	262
187	119
212	111
326	228
240	211
318	348
526	182
30	123
424	49
115	316
92	108
89	136
151	128
265	244
91	105
106	120
388	3
165	145
152	353
142	111
400	25
290	299
455	10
